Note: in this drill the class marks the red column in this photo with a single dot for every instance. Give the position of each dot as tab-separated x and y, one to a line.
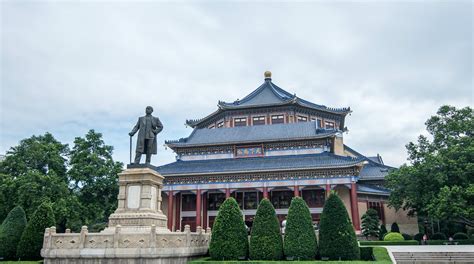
265	192
198	208
328	189
170	210
177	224
227	193
297	191
204	211
355	207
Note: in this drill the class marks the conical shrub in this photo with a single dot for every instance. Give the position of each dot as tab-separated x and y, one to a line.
229	240
265	239
337	238
31	241
10	233
300	239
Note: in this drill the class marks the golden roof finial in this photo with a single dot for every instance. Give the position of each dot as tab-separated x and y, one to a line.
268	74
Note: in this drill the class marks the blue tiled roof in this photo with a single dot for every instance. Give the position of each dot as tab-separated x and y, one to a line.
252	134
274	163
269	94
372	189
372	170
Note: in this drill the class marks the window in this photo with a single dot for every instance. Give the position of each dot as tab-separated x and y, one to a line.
249	151
314	198
302	118
247	200
277	119
215	200
220	124
281	199
320	123
258	120
240	121
329	125
188	202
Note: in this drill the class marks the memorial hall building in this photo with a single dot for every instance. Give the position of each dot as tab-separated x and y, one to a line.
272	144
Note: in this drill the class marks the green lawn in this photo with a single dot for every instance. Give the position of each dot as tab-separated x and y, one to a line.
20	262
380	253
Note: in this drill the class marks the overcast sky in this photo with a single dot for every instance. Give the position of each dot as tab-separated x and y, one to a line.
67	67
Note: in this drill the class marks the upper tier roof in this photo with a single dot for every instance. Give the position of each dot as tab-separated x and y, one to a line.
374	169
275	163
269	94
252	134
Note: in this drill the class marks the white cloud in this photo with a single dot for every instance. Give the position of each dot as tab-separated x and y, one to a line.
70	66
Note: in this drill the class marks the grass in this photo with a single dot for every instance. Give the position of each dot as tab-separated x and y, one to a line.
20	262
380	253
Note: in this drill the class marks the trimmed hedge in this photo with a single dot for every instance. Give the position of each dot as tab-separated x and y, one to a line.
265	238
460	236
337	238
300	239
438	236
32	238
393	236
394	228
229	236
367	253
459	242
388	243
10	233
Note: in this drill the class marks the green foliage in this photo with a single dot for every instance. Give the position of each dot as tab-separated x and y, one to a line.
93	176
10	233
32	238
393	236
370	223
382	232
265	239
367	253
438	181
438	236
460	236
229	236
407	236
388	243
418	237
300	239
337	238
395	228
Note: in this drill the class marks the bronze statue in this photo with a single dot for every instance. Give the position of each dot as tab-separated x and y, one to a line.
149	127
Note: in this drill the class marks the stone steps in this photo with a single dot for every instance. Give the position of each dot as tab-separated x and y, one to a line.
433	257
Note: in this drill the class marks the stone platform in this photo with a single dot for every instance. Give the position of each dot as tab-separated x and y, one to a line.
136	233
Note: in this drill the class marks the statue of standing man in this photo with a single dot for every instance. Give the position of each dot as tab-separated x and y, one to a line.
148	127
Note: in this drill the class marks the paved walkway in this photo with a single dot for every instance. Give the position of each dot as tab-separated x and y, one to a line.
440	248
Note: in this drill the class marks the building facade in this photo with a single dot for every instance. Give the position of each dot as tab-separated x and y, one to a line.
272	144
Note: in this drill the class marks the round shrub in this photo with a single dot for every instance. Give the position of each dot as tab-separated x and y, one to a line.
32	238
438	236
265	238
10	233
229	235
418	237
382	232
407	236
395	228
337	239
460	236
300	239
393	236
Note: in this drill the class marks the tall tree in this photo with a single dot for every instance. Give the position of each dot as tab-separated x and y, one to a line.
370	224
438	181
93	177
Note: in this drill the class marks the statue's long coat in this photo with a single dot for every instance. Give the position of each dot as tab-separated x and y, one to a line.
156	126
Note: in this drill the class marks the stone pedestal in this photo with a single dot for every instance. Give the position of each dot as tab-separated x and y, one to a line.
137	232
139	199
